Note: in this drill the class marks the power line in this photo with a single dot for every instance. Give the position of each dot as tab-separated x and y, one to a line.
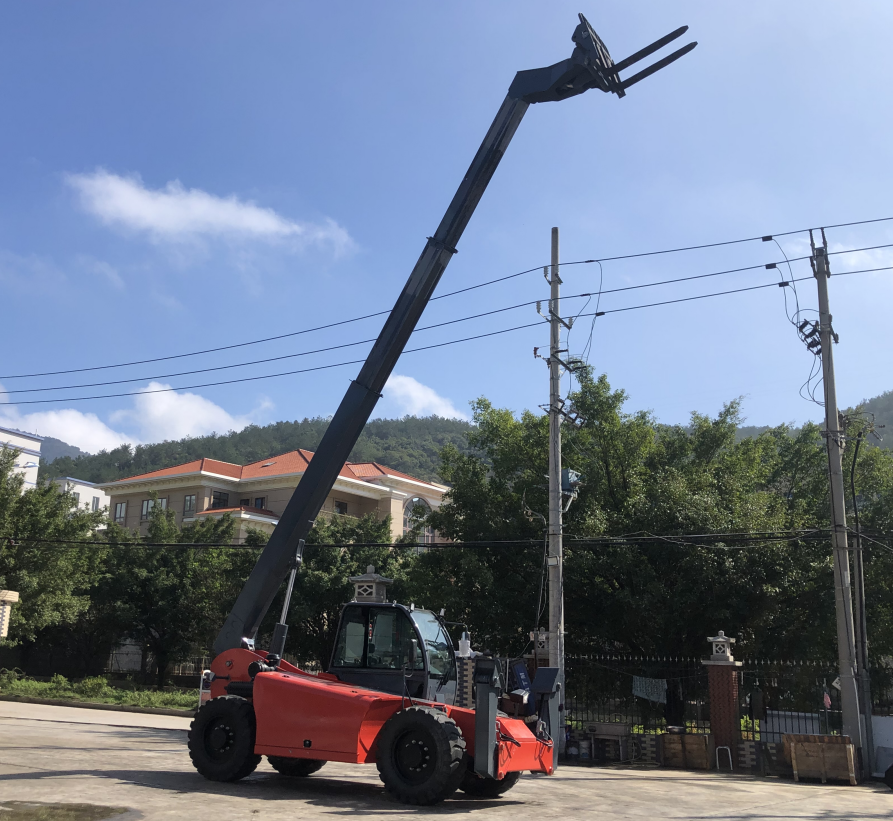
635	539
414	350
441	296
765	238
599	294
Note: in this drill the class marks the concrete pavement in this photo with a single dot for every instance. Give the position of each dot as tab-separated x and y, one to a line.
139	764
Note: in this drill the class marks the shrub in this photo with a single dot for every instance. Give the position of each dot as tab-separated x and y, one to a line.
94	687
8	678
59	684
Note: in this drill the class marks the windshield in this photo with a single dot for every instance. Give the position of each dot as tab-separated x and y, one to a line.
438	644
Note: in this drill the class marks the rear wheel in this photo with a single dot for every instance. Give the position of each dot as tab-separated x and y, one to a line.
221	739
421	756
295	767
477	787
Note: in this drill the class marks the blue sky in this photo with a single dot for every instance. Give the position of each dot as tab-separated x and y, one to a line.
178	176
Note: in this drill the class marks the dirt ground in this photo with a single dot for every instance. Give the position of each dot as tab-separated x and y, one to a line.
67	764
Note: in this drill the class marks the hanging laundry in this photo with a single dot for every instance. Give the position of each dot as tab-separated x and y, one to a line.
651	689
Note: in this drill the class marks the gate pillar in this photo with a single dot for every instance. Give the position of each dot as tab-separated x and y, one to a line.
722	680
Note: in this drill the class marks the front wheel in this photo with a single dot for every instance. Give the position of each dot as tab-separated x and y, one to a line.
221	739
295	767
421	756
476	787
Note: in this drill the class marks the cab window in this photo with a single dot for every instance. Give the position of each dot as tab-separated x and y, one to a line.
390	637
377	638
437	645
352	639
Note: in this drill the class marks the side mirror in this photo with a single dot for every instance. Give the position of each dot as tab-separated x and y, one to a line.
413	653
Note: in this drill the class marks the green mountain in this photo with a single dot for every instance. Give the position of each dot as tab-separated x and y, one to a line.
411	444
51	449
879	407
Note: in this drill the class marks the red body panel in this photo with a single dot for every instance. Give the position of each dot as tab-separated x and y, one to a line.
341	722
303	716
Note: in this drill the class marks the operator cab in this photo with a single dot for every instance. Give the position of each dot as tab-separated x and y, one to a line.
385	646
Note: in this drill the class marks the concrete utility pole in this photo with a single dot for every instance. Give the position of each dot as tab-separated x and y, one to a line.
555	558
868	762
846	646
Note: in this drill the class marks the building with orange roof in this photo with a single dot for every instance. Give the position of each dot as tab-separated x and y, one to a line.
255	495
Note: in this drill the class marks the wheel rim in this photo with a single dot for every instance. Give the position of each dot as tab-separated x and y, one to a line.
415	756
219	740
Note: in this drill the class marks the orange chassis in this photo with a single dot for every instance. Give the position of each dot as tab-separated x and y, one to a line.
300	715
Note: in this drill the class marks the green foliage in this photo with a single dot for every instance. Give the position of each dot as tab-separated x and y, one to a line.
96	689
168	600
92	687
58	684
52	578
638	478
411	444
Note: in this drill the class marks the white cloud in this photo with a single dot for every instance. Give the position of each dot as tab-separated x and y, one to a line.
31	273
102	268
154	417
415	399
173	415
84	430
859	260
176	214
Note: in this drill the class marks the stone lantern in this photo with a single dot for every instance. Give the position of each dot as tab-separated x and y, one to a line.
7	599
722	647
370	587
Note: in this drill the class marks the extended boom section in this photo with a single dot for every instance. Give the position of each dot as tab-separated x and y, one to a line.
590	66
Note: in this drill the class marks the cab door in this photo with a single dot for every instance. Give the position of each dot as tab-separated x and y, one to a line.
373	650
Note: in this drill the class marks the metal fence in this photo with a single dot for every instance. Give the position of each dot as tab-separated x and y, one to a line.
648	694
779	697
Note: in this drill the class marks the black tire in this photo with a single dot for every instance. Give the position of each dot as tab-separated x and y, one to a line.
476	787
221	739
295	767
421	756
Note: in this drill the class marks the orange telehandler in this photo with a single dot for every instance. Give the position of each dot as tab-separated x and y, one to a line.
389	694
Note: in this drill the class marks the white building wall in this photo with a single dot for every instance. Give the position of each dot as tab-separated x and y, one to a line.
89	496
28	460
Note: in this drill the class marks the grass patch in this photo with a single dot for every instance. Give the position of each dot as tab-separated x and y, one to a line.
95	689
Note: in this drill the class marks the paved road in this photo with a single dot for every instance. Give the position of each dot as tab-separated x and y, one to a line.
139	763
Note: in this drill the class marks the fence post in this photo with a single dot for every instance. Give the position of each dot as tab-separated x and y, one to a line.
722	681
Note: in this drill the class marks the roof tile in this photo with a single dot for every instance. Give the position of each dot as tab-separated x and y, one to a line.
292	462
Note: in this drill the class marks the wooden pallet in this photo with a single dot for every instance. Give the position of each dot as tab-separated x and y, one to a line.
690	751
821	756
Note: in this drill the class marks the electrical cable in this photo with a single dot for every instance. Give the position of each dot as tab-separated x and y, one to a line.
682	540
409	350
366	341
441	296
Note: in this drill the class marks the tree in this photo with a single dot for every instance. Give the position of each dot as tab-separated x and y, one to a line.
639	477
39	554
171	600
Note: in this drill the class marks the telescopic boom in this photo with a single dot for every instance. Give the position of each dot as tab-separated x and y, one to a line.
590	66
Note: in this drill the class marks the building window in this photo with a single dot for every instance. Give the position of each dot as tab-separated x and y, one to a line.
341	508
188	506
260	502
219	499
415	510
244	502
148	504
77	498
120	512
95	503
